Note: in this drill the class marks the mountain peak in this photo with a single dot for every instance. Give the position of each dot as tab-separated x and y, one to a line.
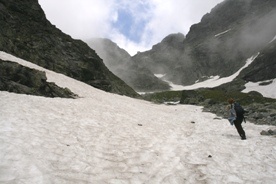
173	38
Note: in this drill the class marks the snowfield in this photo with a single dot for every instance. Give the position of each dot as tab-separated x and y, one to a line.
107	138
213	81
267	90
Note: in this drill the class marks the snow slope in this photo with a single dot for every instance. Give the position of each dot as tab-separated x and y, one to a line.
107	138
213	81
266	90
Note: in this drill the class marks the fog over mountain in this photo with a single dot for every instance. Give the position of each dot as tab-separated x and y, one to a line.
132	25
121	64
219	45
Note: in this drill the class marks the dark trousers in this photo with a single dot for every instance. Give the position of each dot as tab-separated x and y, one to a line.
238	126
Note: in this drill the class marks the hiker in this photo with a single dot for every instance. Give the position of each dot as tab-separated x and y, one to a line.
236	116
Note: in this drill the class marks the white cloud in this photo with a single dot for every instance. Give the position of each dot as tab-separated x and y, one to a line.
85	19
80	19
175	16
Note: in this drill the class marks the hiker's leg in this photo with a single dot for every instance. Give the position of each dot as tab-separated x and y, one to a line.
239	128
242	133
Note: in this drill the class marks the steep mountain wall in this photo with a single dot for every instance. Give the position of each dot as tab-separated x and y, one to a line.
26	33
264	66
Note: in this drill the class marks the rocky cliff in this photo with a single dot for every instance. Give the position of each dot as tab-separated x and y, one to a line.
26	33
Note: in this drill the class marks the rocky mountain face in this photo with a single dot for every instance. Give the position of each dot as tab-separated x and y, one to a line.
162	55
264	66
26	33
219	45
121	64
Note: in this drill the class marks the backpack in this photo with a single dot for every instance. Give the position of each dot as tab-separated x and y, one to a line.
239	110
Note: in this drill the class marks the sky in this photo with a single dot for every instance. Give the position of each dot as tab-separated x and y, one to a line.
123	140
135	25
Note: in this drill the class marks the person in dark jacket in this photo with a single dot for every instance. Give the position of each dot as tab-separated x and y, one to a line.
238	120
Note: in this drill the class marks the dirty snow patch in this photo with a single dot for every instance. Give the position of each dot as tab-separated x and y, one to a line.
266	90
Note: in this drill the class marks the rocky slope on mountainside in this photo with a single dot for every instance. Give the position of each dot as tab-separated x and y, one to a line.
264	66
26	33
219	45
162	55
121	64
262	70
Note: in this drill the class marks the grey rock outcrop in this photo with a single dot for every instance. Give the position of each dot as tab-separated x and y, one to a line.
19	79
268	132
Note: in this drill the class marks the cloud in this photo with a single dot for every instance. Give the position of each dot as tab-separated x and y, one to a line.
133	25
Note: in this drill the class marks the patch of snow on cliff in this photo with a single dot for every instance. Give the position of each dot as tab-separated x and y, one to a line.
266	90
219	34
213	81
273	39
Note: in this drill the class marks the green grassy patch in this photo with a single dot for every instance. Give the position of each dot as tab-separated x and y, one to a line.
161	97
198	96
